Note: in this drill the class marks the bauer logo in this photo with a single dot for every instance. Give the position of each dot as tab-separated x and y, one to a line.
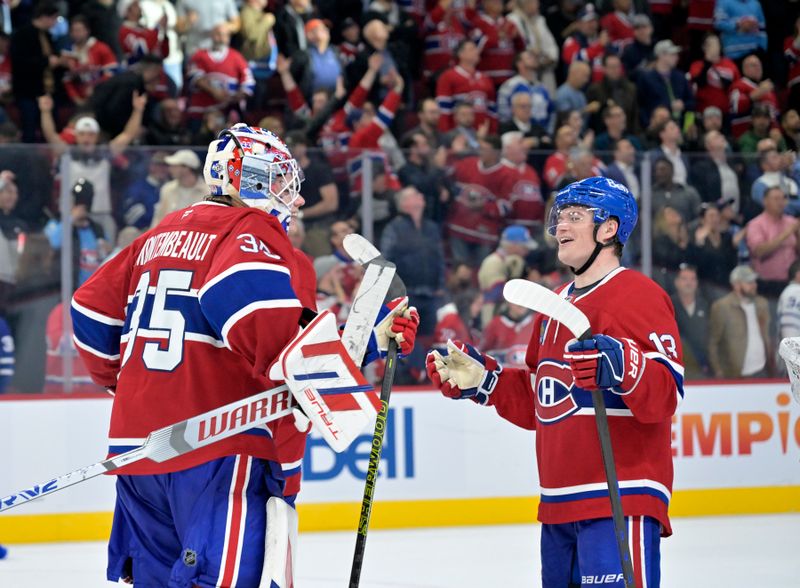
397	456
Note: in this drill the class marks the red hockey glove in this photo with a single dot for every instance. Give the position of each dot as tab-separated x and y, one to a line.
398	321
605	362
463	372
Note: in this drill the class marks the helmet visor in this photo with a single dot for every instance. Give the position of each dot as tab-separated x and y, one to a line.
571	214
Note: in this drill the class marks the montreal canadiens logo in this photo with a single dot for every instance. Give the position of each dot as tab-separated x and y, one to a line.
554	400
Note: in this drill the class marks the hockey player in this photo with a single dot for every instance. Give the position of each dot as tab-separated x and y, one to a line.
188	318
634	358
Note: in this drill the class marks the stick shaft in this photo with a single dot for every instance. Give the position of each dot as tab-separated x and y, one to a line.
374	461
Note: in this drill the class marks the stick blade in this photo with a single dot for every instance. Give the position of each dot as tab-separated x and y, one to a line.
540	299
360	249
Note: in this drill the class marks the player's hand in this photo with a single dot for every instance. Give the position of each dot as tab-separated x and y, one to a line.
463	372
396	320
605	362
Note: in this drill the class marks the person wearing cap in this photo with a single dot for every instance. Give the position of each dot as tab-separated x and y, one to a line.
505	263
92	159
713	75
664	84
711	173
586	43
186	187
639	52
318	67
739	345
773	238
749	92
90	245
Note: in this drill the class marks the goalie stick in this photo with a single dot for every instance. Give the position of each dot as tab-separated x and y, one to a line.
174	440
544	301
234	418
364	252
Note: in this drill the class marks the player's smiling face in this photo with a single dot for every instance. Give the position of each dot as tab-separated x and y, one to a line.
575	235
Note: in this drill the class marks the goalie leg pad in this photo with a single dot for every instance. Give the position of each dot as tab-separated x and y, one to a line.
280	546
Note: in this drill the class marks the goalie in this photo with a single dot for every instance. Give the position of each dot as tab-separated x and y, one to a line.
188	318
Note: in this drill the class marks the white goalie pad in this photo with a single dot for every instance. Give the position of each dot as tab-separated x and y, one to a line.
325	382
280	546
789	350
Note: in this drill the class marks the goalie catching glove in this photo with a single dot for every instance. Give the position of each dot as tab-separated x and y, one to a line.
396	320
605	362
463	372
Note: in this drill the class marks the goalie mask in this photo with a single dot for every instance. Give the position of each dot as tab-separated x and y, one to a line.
256	166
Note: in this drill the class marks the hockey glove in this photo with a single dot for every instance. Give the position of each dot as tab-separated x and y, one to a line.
463	372
605	362
398	321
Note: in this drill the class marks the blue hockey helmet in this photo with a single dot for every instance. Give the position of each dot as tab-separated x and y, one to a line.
605	198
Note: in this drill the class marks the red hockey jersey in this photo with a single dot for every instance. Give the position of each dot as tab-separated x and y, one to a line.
522	191
741	105
444	30
712	82
499	40
88	66
458	85
226	69
791	52
189	318
476	214
507	340
136	41
544	397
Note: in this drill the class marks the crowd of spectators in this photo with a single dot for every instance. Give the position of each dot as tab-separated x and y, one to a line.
464	117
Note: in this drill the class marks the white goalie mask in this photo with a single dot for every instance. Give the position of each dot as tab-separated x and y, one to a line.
256	166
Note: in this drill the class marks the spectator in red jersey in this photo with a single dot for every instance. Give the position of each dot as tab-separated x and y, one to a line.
464	83
713	75
135	39
619	24
5	67
556	165
700	22
445	28
88	61
586	44
521	186
749	90
475	217
351	44
458	318
498	39
218	78
507	335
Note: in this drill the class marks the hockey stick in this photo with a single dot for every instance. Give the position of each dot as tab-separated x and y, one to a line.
232	419
365	253
540	299
174	440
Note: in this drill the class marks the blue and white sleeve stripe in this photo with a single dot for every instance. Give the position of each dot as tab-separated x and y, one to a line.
95	332
243	289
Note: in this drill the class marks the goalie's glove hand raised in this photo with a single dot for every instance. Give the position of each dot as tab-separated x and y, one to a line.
396	320
463	372
605	362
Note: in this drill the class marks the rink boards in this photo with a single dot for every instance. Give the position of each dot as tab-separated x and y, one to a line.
736	448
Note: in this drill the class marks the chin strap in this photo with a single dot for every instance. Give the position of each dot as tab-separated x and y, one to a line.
598	247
